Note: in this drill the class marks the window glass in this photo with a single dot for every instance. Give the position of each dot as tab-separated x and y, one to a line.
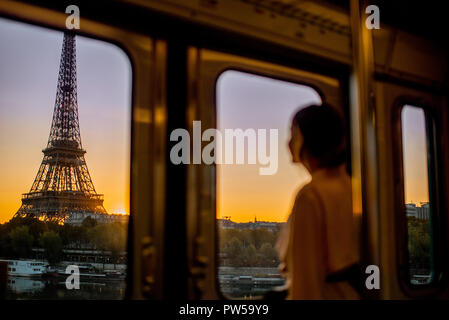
416	190
65	104
253	207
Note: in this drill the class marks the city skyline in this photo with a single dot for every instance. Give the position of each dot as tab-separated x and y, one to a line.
417	204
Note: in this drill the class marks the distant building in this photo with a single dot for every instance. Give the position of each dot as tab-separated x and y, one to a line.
411	210
77	218
422	212
227	223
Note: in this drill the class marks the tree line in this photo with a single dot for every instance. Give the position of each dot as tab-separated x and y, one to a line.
20	236
419	244
256	247
238	247
248	247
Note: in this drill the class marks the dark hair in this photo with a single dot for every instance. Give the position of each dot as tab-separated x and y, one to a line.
324	134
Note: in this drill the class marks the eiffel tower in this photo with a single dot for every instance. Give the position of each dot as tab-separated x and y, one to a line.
63	185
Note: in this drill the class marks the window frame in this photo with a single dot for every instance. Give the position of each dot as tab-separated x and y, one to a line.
201	179
148	116
434	186
259	73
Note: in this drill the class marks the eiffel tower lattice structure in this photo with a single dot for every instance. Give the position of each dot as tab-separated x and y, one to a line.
63	185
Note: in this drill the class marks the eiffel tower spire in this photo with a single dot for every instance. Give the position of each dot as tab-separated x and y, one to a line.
63	185
65	127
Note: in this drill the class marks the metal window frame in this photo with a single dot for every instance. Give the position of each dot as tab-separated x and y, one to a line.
148	134
434	184
205	67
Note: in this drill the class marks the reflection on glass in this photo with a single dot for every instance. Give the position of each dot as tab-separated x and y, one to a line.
63	195
251	208
416	185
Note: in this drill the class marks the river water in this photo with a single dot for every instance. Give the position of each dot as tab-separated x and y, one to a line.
20	288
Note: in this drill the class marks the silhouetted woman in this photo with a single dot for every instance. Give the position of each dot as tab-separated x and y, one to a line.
317	248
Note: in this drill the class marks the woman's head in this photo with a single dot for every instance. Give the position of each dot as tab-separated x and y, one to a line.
318	137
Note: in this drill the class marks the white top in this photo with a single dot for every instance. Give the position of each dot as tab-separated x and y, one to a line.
319	238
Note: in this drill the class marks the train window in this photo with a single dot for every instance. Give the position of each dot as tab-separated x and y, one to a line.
64	196
418	204
252	207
